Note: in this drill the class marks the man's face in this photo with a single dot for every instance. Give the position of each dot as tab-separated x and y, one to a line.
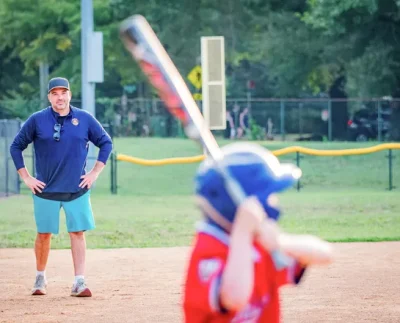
59	98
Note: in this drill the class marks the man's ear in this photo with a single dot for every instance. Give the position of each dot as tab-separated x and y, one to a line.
70	94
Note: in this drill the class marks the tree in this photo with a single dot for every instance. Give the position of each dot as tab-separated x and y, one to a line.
296	48
364	41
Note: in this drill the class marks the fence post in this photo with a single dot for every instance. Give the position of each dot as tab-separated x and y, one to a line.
282	112
112	174
329	120
115	183
17	177
298	165
6	160
300	109
390	157
380	121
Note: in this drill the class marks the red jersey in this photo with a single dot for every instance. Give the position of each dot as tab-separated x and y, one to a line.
201	295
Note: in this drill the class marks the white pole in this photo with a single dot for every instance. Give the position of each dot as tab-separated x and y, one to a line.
88	88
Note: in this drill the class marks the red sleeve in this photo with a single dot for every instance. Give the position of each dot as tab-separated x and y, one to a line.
290	274
287	270
202	285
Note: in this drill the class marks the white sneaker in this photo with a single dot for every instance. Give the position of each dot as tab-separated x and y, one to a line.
40	285
80	289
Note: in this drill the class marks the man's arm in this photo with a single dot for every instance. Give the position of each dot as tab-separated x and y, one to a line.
98	167
33	184
90	177
101	139
23	138
21	141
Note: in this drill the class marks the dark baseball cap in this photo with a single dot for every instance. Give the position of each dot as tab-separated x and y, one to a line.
58	82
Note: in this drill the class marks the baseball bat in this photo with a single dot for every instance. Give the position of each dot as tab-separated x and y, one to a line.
146	49
143	44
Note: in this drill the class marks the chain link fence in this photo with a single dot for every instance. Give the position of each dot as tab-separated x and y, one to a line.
259	119
263	119
254	119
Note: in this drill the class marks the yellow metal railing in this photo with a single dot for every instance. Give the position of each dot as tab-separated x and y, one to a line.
336	152
278	152
160	162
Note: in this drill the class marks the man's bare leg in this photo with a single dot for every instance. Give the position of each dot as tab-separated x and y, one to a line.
42	250
78	249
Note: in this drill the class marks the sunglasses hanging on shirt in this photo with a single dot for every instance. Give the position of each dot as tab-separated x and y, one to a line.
57	134
57	128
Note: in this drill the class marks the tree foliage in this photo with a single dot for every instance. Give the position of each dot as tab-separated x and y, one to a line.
296	48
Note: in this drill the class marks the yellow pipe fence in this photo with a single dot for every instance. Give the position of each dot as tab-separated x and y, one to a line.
278	152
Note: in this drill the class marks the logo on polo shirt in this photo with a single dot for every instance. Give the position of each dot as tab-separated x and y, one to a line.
75	121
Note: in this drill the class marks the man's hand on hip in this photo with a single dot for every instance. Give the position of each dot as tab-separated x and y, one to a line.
30	181
89	179
34	184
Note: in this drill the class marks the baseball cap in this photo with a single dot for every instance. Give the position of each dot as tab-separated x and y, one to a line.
58	82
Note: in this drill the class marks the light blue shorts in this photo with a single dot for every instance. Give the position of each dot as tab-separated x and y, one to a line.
78	214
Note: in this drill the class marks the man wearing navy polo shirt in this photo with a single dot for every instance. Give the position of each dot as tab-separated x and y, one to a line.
61	134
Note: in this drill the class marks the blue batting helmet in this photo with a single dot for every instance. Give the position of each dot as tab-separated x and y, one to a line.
255	169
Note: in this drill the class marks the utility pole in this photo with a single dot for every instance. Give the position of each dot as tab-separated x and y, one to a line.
92	65
43	80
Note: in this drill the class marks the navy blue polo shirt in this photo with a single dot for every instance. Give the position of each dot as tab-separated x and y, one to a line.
60	164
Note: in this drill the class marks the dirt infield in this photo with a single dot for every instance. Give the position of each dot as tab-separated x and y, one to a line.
144	285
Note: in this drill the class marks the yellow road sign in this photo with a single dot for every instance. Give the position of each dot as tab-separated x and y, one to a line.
194	76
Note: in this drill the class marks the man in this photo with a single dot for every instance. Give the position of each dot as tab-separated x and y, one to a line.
60	134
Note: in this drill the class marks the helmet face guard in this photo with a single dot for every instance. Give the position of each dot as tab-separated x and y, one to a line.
256	170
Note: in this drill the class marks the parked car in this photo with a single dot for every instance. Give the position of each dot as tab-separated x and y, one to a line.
364	125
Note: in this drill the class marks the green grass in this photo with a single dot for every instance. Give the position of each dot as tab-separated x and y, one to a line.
319	173
341	199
